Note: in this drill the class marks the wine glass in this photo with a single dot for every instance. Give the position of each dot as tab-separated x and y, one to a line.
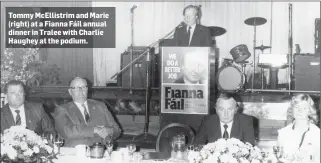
276	149
109	147
58	142
131	149
191	147
46	137
43	136
50	138
265	154
278	152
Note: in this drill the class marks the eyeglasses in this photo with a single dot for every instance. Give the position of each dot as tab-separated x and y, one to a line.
79	88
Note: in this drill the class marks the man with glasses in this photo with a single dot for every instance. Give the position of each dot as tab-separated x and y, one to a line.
20	112
84	121
227	123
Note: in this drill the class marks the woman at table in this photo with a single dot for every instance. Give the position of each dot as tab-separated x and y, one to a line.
301	136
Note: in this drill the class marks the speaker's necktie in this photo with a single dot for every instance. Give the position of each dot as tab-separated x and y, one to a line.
225	135
86	113
189	34
18	118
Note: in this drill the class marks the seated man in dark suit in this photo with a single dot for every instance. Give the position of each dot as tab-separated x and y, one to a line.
192	34
84	121
20	112
227	123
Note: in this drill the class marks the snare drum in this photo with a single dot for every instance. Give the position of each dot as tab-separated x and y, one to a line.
230	78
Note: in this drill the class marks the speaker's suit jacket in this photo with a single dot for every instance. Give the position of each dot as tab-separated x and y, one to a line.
210	129
201	37
70	124
36	118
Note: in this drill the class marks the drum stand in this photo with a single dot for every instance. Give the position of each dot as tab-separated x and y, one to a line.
255	21
243	65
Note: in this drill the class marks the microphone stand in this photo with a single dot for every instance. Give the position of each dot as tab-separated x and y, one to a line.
141	55
145	136
131	51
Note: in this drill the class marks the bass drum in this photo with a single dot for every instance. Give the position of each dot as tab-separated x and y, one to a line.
230	78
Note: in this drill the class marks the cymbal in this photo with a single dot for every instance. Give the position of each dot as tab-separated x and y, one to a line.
255	21
216	31
262	47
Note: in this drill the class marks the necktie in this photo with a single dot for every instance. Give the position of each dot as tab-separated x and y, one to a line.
18	118
225	135
189	34
86	113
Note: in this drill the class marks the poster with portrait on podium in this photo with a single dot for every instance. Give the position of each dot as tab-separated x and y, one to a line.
185	80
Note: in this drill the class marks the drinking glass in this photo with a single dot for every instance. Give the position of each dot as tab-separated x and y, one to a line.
43	136
137	157
278	152
50	138
179	148
46	136
109	148
191	147
131	148
58	142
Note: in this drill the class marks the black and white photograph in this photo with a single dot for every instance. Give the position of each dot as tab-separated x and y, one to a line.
182	81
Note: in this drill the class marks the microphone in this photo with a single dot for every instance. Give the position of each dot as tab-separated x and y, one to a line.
133	8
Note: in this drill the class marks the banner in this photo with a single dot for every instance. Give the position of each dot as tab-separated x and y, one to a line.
185	80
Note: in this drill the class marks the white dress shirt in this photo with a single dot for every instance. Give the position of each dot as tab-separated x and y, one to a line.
192	31
82	109
22	115
229	128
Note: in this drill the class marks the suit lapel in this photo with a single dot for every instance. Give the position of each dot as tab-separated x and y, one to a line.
217	128
28	115
8	116
235	127
90	107
76	112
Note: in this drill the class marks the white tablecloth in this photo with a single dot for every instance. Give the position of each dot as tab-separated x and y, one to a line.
69	155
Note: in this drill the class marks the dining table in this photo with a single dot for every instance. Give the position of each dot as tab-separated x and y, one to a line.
69	155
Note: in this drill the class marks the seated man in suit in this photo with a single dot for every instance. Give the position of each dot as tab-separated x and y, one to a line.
20	112
194	69
192	34
227	123
84	121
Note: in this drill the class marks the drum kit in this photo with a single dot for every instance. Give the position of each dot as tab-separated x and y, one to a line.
229	76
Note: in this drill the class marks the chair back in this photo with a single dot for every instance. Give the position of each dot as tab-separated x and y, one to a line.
164	138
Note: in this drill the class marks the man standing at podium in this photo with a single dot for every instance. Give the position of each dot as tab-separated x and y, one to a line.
192	34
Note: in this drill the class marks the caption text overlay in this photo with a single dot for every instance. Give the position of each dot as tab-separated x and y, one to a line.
60	27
